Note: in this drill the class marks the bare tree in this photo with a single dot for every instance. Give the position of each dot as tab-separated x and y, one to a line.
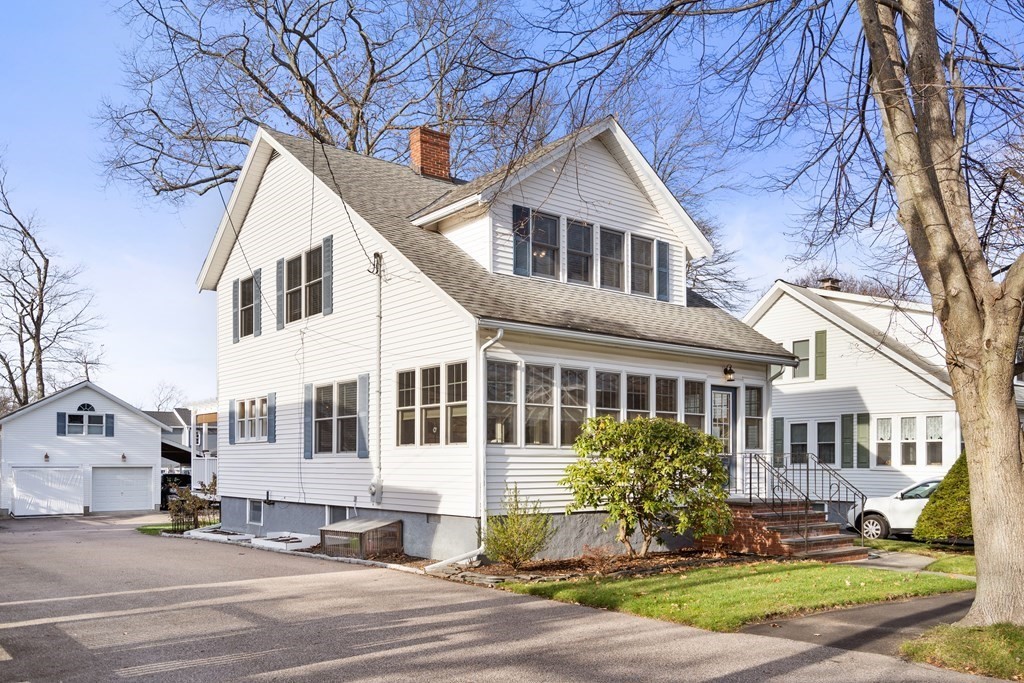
44	314
895	114
87	359
718	278
878	287
168	396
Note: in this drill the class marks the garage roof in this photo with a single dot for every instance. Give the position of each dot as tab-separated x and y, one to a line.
77	387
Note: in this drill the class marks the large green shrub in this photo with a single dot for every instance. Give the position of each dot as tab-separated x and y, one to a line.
518	535
947	515
651	475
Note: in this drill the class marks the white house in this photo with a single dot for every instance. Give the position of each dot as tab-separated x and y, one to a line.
395	343
871	395
76	451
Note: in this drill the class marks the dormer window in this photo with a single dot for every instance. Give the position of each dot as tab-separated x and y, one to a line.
579	238
641	275
613	251
86	408
545	252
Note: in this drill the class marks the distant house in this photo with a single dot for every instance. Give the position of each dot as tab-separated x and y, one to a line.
175	440
871	395
190	441
395	343
76	451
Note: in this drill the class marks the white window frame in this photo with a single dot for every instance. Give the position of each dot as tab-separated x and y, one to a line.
248	512
653	267
928	442
329	419
836	441
517	403
305	284
650	395
598	410
917	437
890	441
450	403
592	272
559	275
85	415
251	308
654	399
422	407
258	421
806	442
338	417
414	407
802	378
551	406
762	435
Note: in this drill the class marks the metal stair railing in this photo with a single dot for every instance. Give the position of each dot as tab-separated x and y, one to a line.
764	484
823	482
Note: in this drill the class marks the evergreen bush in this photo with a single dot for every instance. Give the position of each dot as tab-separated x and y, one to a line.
947	515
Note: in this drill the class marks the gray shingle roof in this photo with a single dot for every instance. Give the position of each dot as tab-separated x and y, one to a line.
387	194
165	416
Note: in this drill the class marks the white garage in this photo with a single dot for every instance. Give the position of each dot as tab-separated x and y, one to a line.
121	488
79	450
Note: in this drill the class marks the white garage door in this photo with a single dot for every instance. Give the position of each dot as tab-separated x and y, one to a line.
48	491
122	488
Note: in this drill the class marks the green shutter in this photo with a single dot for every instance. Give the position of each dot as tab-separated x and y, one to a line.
820	354
863	440
847	440
778	444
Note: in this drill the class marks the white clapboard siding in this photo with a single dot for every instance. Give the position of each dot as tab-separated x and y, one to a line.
29	436
536	470
911	326
470	234
588	185
419	328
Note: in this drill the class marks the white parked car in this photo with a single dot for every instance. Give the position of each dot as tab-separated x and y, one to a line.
895	514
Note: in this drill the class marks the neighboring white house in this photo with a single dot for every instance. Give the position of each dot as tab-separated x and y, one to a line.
871	395
76	451
394	343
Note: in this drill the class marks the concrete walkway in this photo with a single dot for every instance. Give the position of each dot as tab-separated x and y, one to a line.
904	562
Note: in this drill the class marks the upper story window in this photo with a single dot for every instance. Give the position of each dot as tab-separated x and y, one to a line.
802	350
579	252
641	266
251	419
545	240
613	256
86	408
246	307
303	285
84	423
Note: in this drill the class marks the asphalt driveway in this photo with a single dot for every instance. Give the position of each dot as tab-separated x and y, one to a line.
90	599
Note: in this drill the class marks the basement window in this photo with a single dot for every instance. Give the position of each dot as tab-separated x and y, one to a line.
256	512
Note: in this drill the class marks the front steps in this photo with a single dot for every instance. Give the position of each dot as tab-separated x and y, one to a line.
760	530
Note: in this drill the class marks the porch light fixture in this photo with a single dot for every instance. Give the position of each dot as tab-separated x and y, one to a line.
730	374
124	458
46	457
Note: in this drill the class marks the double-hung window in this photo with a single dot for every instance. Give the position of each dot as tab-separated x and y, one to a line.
314	281
540	399
883	442
430	405
827	443
246	307
693	404
754	416
908	440
802	350
545	245
798	443
574	404
638	396
933	439
347	417
303	285
641	270
666	398
457	401
323	419
406	416
501	402
251	419
608	394
579	239
613	257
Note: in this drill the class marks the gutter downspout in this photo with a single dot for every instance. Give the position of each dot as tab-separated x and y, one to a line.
481	404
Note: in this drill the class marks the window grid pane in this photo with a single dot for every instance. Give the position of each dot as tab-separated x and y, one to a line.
348	409
638	396
457	392
641	266
545	245
827	442
323	416
612	258
666	397
540	394
693	404
579	252
798	443
574	404
406	415
607	386
501	402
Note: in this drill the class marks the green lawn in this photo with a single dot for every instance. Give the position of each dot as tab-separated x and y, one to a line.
897	546
153	529
948	559
992	651
955	564
725	598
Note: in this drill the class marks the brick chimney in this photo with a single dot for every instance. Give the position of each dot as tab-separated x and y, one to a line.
429	153
832	284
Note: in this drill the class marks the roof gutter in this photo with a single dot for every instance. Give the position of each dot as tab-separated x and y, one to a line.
446	211
619	342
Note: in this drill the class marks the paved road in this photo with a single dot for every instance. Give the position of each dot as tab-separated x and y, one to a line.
89	599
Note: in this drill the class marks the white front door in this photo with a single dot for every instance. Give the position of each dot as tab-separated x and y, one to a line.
122	488
48	491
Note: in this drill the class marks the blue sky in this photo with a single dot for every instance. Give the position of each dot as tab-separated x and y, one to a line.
141	255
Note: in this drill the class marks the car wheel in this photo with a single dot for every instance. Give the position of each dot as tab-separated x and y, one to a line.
874	526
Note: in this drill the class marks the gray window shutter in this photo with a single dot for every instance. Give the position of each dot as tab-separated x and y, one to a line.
328	275
846	427
307	422
234	311
362	416
863	440
820	354
520	240
272	417
231	421
280	294
62	424
108	424
778	441
257	302
663	270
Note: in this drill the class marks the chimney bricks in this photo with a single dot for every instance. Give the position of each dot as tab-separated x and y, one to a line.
429	153
831	284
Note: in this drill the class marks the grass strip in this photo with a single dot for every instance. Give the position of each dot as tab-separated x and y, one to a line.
955	564
153	529
996	651
727	597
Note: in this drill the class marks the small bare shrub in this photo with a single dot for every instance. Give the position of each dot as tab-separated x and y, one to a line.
517	536
599	558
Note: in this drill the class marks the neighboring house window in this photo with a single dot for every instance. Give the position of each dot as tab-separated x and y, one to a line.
802	350
641	277
544	238
638	396
608	391
827	443
251	419
612	260
579	252
798	443
754	414
84	423
501	402
540	400
323	417
883	442
666	398
693	404
347	416
908	436
574	404
933	439
303	288
246	307
430	405
406	408
86	408
256	512
457	398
